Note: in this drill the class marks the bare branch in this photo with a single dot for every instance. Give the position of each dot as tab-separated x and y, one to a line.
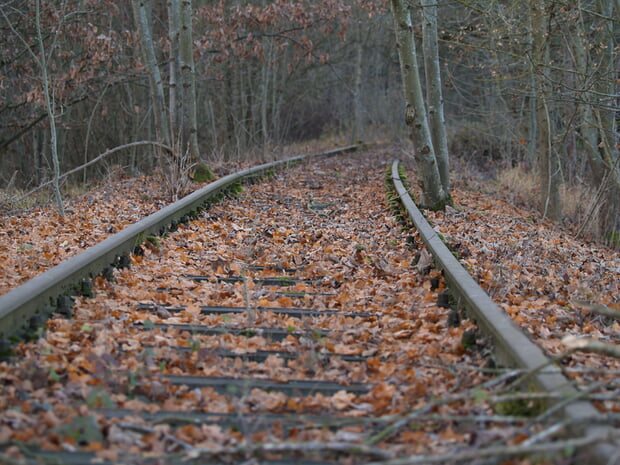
596	308
312	446
591	345
95	160
517	450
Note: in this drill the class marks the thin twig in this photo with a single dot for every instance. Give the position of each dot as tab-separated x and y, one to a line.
312	446
596	308
93	161
469	455
591	345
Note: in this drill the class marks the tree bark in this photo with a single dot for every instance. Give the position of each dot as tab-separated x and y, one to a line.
186	49
141	10
587	123
549	163
264	98
174	97
606	116
357	96
433	90
49	105
433	195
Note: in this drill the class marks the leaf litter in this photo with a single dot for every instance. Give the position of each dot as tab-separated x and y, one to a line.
332	231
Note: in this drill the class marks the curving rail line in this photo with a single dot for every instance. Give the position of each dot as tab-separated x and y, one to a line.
25	308
511	346
309	329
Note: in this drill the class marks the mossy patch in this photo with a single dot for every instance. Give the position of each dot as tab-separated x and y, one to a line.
520	407
202	173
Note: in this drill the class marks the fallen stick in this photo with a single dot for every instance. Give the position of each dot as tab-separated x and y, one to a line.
93	161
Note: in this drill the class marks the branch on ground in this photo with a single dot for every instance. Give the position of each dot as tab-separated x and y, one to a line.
596	308
312	446
591	345
502	451
95	160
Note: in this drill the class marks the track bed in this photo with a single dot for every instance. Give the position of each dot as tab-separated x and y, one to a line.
290	324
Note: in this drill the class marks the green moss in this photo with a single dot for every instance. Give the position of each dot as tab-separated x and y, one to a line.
194	345
614	238
98	398
285	281
139	239
202	173
6	350
392	198
468	340
235	188
442	204
154	240
82	429
520	407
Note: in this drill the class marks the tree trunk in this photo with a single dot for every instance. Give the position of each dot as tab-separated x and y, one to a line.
174	92
186	46
549	165
588	129
606	116
357	96
49	105
264	98
433	90
141	13
433	195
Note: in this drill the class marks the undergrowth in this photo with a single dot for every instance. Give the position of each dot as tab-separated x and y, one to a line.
519	186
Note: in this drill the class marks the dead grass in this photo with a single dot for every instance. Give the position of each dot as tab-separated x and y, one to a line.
520	187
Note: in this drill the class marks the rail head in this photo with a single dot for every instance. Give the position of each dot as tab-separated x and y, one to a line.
38	296
511	345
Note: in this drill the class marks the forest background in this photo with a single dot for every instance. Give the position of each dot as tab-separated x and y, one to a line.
530	91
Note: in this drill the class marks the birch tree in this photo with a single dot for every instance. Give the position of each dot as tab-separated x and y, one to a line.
607	119
176	124
434	95
42	61
595	133
174	97
433	193
548	158
142	10
49	104
182	92
189	130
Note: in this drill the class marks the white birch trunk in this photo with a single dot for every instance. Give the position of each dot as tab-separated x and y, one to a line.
186	46
174	99
548	159
433	194
50	112
588	127
433	90
357	97
607	117
265	78
141	10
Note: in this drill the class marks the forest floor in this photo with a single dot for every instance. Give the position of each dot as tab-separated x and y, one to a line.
532	267
540	275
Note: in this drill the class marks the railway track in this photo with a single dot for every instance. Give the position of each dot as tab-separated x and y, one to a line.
295	322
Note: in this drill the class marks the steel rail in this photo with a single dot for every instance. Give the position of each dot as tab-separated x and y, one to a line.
511	345
37	296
